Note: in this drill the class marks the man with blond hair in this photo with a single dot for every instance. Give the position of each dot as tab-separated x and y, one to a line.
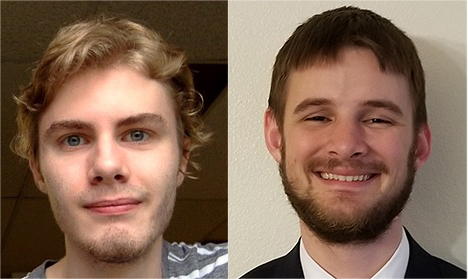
108	123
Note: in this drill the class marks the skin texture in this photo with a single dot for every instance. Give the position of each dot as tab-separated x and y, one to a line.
348	118
110	135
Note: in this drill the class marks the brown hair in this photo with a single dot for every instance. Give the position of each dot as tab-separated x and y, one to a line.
100	43
322	36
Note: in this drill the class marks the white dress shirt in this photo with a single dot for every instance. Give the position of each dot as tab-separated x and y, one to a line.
394	268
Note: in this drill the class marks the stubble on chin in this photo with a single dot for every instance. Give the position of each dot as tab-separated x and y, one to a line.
116	245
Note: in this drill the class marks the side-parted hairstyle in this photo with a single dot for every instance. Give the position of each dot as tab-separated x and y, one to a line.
100	43
320	39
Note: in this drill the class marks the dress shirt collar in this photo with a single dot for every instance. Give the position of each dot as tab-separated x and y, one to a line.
394	268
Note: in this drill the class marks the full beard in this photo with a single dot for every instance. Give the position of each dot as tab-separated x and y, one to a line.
364	227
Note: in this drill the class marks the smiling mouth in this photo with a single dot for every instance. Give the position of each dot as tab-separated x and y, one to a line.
347	178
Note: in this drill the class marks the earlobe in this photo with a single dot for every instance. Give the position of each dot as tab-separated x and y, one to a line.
37	175
423	146
272	135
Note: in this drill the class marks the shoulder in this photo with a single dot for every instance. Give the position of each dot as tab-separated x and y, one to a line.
444	269
266	270
39	272
197	260
449	270
288	266
423	265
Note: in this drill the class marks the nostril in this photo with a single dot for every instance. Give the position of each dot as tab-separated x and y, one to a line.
118	177
97	180
356	154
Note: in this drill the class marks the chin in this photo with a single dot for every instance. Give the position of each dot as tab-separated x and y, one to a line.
119	246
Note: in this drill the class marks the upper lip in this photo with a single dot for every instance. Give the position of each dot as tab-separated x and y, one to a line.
347	172
113	202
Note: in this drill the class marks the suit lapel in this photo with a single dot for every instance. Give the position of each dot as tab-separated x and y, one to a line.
290	265
420	264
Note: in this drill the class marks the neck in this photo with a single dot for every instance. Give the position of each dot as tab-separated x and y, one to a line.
353	260
77	264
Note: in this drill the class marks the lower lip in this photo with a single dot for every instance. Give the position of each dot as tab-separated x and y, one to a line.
114	210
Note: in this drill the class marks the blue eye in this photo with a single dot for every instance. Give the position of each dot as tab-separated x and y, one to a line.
74	140
138	136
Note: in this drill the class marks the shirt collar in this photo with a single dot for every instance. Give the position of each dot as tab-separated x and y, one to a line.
394	268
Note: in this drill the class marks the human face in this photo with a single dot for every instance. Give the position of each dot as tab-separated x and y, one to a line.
347	151
110	162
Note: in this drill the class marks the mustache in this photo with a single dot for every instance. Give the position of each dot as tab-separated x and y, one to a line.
330	163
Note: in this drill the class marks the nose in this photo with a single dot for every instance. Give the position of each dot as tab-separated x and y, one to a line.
108	165
348	140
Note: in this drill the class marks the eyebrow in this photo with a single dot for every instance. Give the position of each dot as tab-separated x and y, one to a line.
311	102
152	118
67	125
157	119
391	106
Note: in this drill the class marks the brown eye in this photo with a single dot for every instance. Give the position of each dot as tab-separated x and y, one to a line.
317	118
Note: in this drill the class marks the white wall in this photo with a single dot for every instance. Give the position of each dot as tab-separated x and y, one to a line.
262	225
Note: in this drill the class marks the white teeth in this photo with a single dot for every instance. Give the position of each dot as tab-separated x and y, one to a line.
347	178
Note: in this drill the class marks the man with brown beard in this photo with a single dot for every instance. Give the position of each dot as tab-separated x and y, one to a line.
347	124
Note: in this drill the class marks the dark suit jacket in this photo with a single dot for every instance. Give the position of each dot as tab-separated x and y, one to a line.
420	265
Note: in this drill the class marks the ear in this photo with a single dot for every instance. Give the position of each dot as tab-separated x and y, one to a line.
37	175
272	135
183	162
423	146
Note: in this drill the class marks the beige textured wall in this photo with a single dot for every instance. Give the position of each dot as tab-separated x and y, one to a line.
262	225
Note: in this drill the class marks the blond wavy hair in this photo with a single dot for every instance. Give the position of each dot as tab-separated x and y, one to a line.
100	43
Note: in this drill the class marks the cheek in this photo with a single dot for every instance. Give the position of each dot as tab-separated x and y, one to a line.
64	178
61	194
394	151
156	166
68	172
302	144
59	185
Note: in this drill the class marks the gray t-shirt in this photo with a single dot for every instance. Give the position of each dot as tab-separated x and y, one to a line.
179	261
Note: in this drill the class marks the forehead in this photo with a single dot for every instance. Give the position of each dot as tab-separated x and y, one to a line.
104	95
354	77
